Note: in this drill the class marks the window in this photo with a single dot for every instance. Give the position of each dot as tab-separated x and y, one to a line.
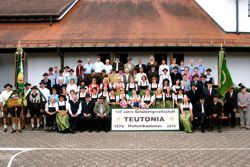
123	57
161	56
178	57
104	56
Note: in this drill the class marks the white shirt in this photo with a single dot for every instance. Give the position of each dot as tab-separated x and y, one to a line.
138	77
4	96
51	105
202	108
98	66
63	103
107	68
162	67
71	87
45	92
167	76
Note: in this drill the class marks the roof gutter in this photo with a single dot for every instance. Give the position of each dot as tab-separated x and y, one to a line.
66	11
237	16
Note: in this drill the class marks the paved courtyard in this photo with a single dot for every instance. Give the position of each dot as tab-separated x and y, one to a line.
39	148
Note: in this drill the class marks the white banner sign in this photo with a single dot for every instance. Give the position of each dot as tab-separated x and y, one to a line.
145	119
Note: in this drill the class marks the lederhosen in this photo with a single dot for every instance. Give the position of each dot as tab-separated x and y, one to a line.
34	105
50	119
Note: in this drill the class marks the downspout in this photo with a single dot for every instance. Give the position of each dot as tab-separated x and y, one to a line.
237	16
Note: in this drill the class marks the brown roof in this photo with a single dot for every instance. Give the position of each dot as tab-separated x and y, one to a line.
10	8
111	23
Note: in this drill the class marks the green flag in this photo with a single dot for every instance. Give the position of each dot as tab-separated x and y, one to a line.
19	70
225	80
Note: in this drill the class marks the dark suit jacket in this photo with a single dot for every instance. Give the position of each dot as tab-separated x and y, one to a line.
59	88
230	102
137	67
216	109
176	76
193	97
208	97
126	80
199	86
47	84
88	108
152	74
120	66
198	108
149	66
80	78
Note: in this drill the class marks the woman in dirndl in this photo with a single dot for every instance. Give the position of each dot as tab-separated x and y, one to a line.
178	98
143	85
154	85
62	117
159	99
131	86
186	115
147	100
169	98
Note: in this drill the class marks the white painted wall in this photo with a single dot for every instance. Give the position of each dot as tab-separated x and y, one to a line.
7	69
38	63
70	58
210	60
238	65
224	13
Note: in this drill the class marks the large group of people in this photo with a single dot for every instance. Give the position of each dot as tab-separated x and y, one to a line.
82	98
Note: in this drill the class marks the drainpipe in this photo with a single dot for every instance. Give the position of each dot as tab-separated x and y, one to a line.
237	16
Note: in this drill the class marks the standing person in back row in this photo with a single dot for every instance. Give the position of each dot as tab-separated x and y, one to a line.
117	64
244	107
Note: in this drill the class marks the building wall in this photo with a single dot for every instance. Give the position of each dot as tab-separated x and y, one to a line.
7	69
224	13
38	63
238	64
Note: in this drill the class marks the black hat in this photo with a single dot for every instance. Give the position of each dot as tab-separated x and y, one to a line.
66	67
216	95
209	69
51	69
117	56
129	58
61	71
209	82
152	65
45	74
241	86
79	61
196	76
71	70
102	97
193	84
87	96
34	87
165	69
83	87
15	91
8	84
62	96
42	82
83	69
175	67
27	83
203	76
